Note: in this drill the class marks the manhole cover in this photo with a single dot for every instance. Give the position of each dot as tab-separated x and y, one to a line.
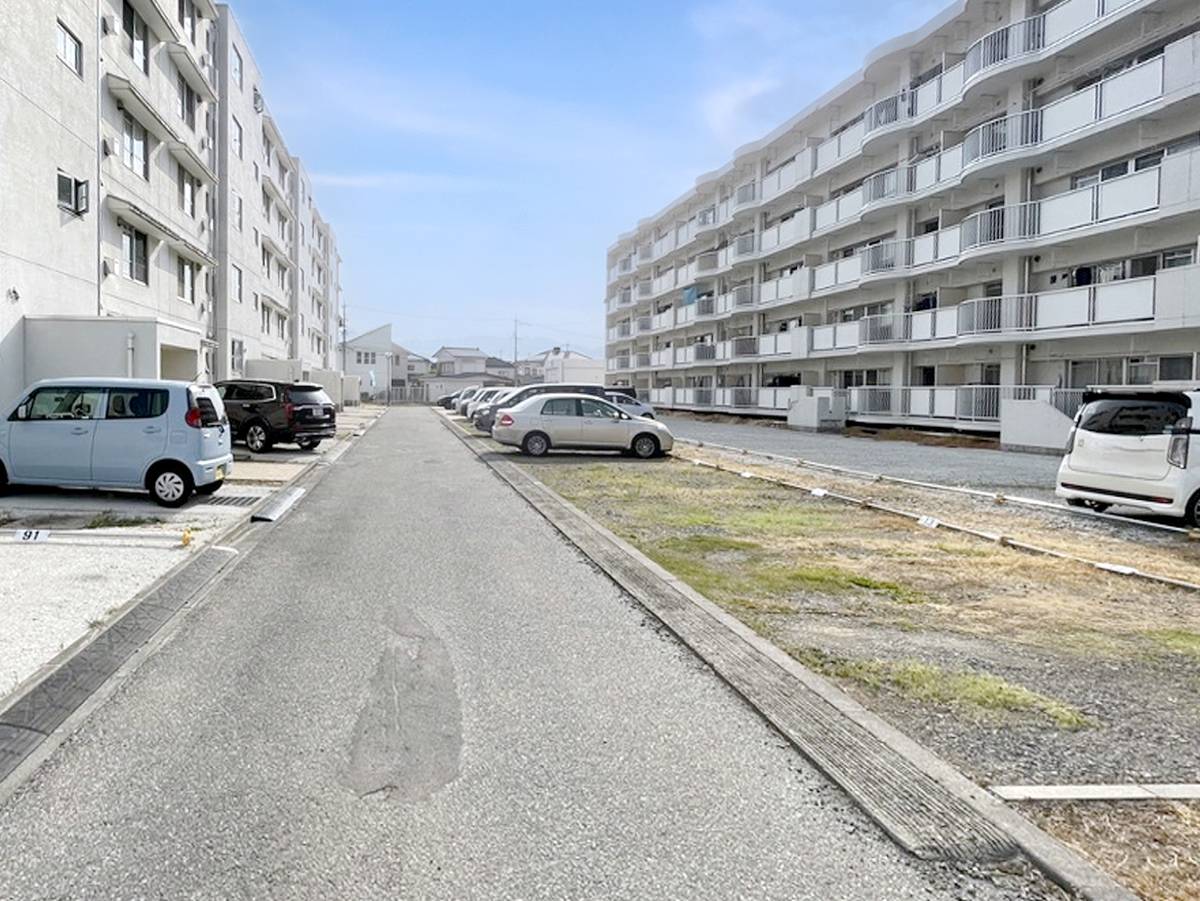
230	500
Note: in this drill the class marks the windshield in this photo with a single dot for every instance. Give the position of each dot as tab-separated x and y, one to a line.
309	395
1131	416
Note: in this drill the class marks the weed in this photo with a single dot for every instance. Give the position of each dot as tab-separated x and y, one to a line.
1181	641
109	520
932	684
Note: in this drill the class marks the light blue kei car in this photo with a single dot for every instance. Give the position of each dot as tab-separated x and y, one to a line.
168	438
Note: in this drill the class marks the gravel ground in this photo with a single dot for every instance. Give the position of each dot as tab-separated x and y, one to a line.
1028	475
1124	654
463	709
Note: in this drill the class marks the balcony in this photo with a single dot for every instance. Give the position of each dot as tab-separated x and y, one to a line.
641	361
619	364
744	196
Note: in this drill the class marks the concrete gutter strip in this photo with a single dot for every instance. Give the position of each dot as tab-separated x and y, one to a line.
919	799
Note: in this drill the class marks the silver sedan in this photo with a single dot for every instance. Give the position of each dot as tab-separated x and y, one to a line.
548	421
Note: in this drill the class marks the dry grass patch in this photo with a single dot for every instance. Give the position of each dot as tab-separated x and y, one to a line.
1152	847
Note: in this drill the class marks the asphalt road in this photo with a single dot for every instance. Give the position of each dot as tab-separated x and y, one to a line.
414	688
1027	475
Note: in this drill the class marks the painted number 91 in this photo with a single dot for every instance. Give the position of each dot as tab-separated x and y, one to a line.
32	535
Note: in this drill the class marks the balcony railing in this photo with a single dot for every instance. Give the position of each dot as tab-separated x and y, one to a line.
704	351
1018	39
745	194
745	347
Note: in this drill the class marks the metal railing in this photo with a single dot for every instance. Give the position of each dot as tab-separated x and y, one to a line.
999	135
744	296
745	347
745	194
743	397
1017	39
704	351
1005	223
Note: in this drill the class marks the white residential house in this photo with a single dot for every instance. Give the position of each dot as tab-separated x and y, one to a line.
572	366
381	363
999	209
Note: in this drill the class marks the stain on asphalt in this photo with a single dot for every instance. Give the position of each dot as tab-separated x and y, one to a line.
408	738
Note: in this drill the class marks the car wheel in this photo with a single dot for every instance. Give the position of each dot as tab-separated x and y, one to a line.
308	444
3	479
210	488
257	438
536	444
645	446
170	485
1192	515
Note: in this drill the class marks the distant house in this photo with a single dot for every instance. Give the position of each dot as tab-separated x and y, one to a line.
572	366
380	363
461	367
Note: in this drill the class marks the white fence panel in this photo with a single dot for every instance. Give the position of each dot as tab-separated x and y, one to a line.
1063	308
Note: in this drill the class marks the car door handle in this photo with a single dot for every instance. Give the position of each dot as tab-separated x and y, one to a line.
151	430
79	430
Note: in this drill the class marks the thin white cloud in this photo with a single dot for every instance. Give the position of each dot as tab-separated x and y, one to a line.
405	182
725	108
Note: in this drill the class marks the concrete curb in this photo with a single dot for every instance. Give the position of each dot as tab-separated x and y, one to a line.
65	699
1061	864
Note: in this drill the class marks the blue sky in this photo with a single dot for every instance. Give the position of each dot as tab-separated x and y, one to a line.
477	159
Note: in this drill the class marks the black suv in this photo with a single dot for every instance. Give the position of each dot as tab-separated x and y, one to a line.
262	412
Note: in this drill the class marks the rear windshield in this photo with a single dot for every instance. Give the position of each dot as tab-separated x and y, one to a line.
309	396
1131	416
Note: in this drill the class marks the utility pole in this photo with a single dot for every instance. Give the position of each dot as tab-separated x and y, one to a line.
516	377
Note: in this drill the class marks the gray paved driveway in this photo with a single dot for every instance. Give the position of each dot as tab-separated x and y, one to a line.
414	688
1029	475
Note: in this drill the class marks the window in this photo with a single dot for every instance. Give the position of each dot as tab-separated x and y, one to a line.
1179	256
236	137
279	322
61	403
238	208
1175	369
358	357
188	101
134	37
235	283
134	253
265	315
189	187
187	272
235	67
237	355
560	406
133	147
136	403
1131	416
594	409
72	194
187	19
266	262
70	50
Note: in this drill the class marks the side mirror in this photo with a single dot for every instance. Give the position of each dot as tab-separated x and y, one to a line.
625	416
21	413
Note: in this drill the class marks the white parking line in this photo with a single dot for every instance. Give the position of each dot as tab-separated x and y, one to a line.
1116	792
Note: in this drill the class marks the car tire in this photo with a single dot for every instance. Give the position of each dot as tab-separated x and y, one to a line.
257	437
3	479
308	444
210	488
645	446
170	484
536	444
1192	515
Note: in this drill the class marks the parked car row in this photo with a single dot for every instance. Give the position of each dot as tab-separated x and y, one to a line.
170	438
537	418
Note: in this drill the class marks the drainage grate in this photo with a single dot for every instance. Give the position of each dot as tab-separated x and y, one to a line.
231	500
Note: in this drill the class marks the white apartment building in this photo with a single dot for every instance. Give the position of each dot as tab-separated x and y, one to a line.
1000	208
118	252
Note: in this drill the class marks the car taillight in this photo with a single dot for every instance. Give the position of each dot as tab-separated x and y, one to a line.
289	410
505	420
1177	447
193	417
1070	441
